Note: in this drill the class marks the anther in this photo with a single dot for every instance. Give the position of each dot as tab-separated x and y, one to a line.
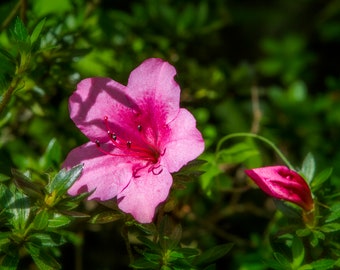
128	144
139	127
97	143
113	136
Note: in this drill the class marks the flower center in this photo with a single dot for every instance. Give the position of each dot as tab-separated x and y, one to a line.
143	151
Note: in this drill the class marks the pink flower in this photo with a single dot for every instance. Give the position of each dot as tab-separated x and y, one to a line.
138	136
282	183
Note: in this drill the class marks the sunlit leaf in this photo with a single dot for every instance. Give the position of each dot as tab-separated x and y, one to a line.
64	180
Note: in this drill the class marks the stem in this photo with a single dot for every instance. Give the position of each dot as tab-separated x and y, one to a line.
8	93
263	139
125	234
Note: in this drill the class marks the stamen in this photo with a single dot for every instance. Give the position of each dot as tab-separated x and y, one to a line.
128	144
139	127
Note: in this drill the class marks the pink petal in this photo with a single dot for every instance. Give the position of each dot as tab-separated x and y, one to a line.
94	99
144	194
184	143
105	174
155	78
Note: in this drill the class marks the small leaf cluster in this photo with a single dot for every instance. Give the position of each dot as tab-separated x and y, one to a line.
165	252
32	218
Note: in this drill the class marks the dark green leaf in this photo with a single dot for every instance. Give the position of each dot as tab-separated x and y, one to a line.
25	184
10	262
213	254
64	180
144	264
19	31
335	212
308	168
147	242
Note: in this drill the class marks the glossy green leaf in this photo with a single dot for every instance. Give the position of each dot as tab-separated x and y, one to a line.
64	180
46	239
59	220
43	259
40	221
19	208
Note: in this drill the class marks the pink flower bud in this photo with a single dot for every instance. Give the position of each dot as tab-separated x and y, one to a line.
282	183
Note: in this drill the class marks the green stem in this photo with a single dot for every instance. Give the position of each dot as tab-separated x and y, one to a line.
252	135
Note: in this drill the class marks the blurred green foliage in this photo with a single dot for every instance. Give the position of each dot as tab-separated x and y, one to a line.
269	67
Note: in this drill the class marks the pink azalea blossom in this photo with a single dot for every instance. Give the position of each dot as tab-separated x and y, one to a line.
282	183
138	136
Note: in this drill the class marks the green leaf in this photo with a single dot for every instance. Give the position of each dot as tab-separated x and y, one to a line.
335	213
19	208
19	31
64	180
40	221
330	227
323	264
211	255
298	252
106	217
321	178
58	221
237	153
37	30
303	232
10	261
144	264
308	168
43	259
282	260
25	184
52	155
46	239
147	242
